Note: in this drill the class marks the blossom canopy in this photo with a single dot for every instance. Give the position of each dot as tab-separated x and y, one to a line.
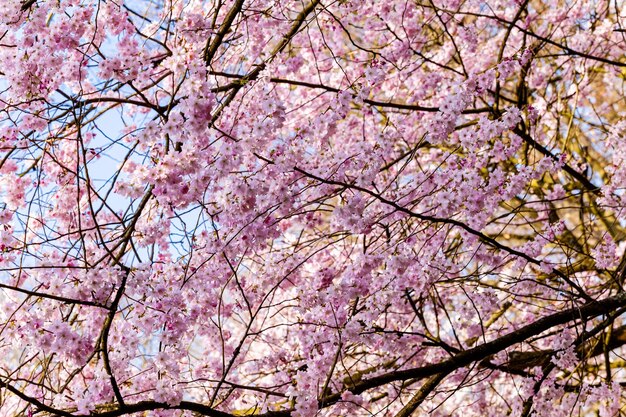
312	208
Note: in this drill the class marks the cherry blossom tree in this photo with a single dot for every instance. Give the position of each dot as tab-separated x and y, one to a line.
312	207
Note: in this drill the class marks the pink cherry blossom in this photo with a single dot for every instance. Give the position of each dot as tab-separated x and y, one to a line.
312	208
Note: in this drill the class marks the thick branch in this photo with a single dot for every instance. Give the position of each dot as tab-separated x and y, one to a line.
465	358
252	75
211	49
